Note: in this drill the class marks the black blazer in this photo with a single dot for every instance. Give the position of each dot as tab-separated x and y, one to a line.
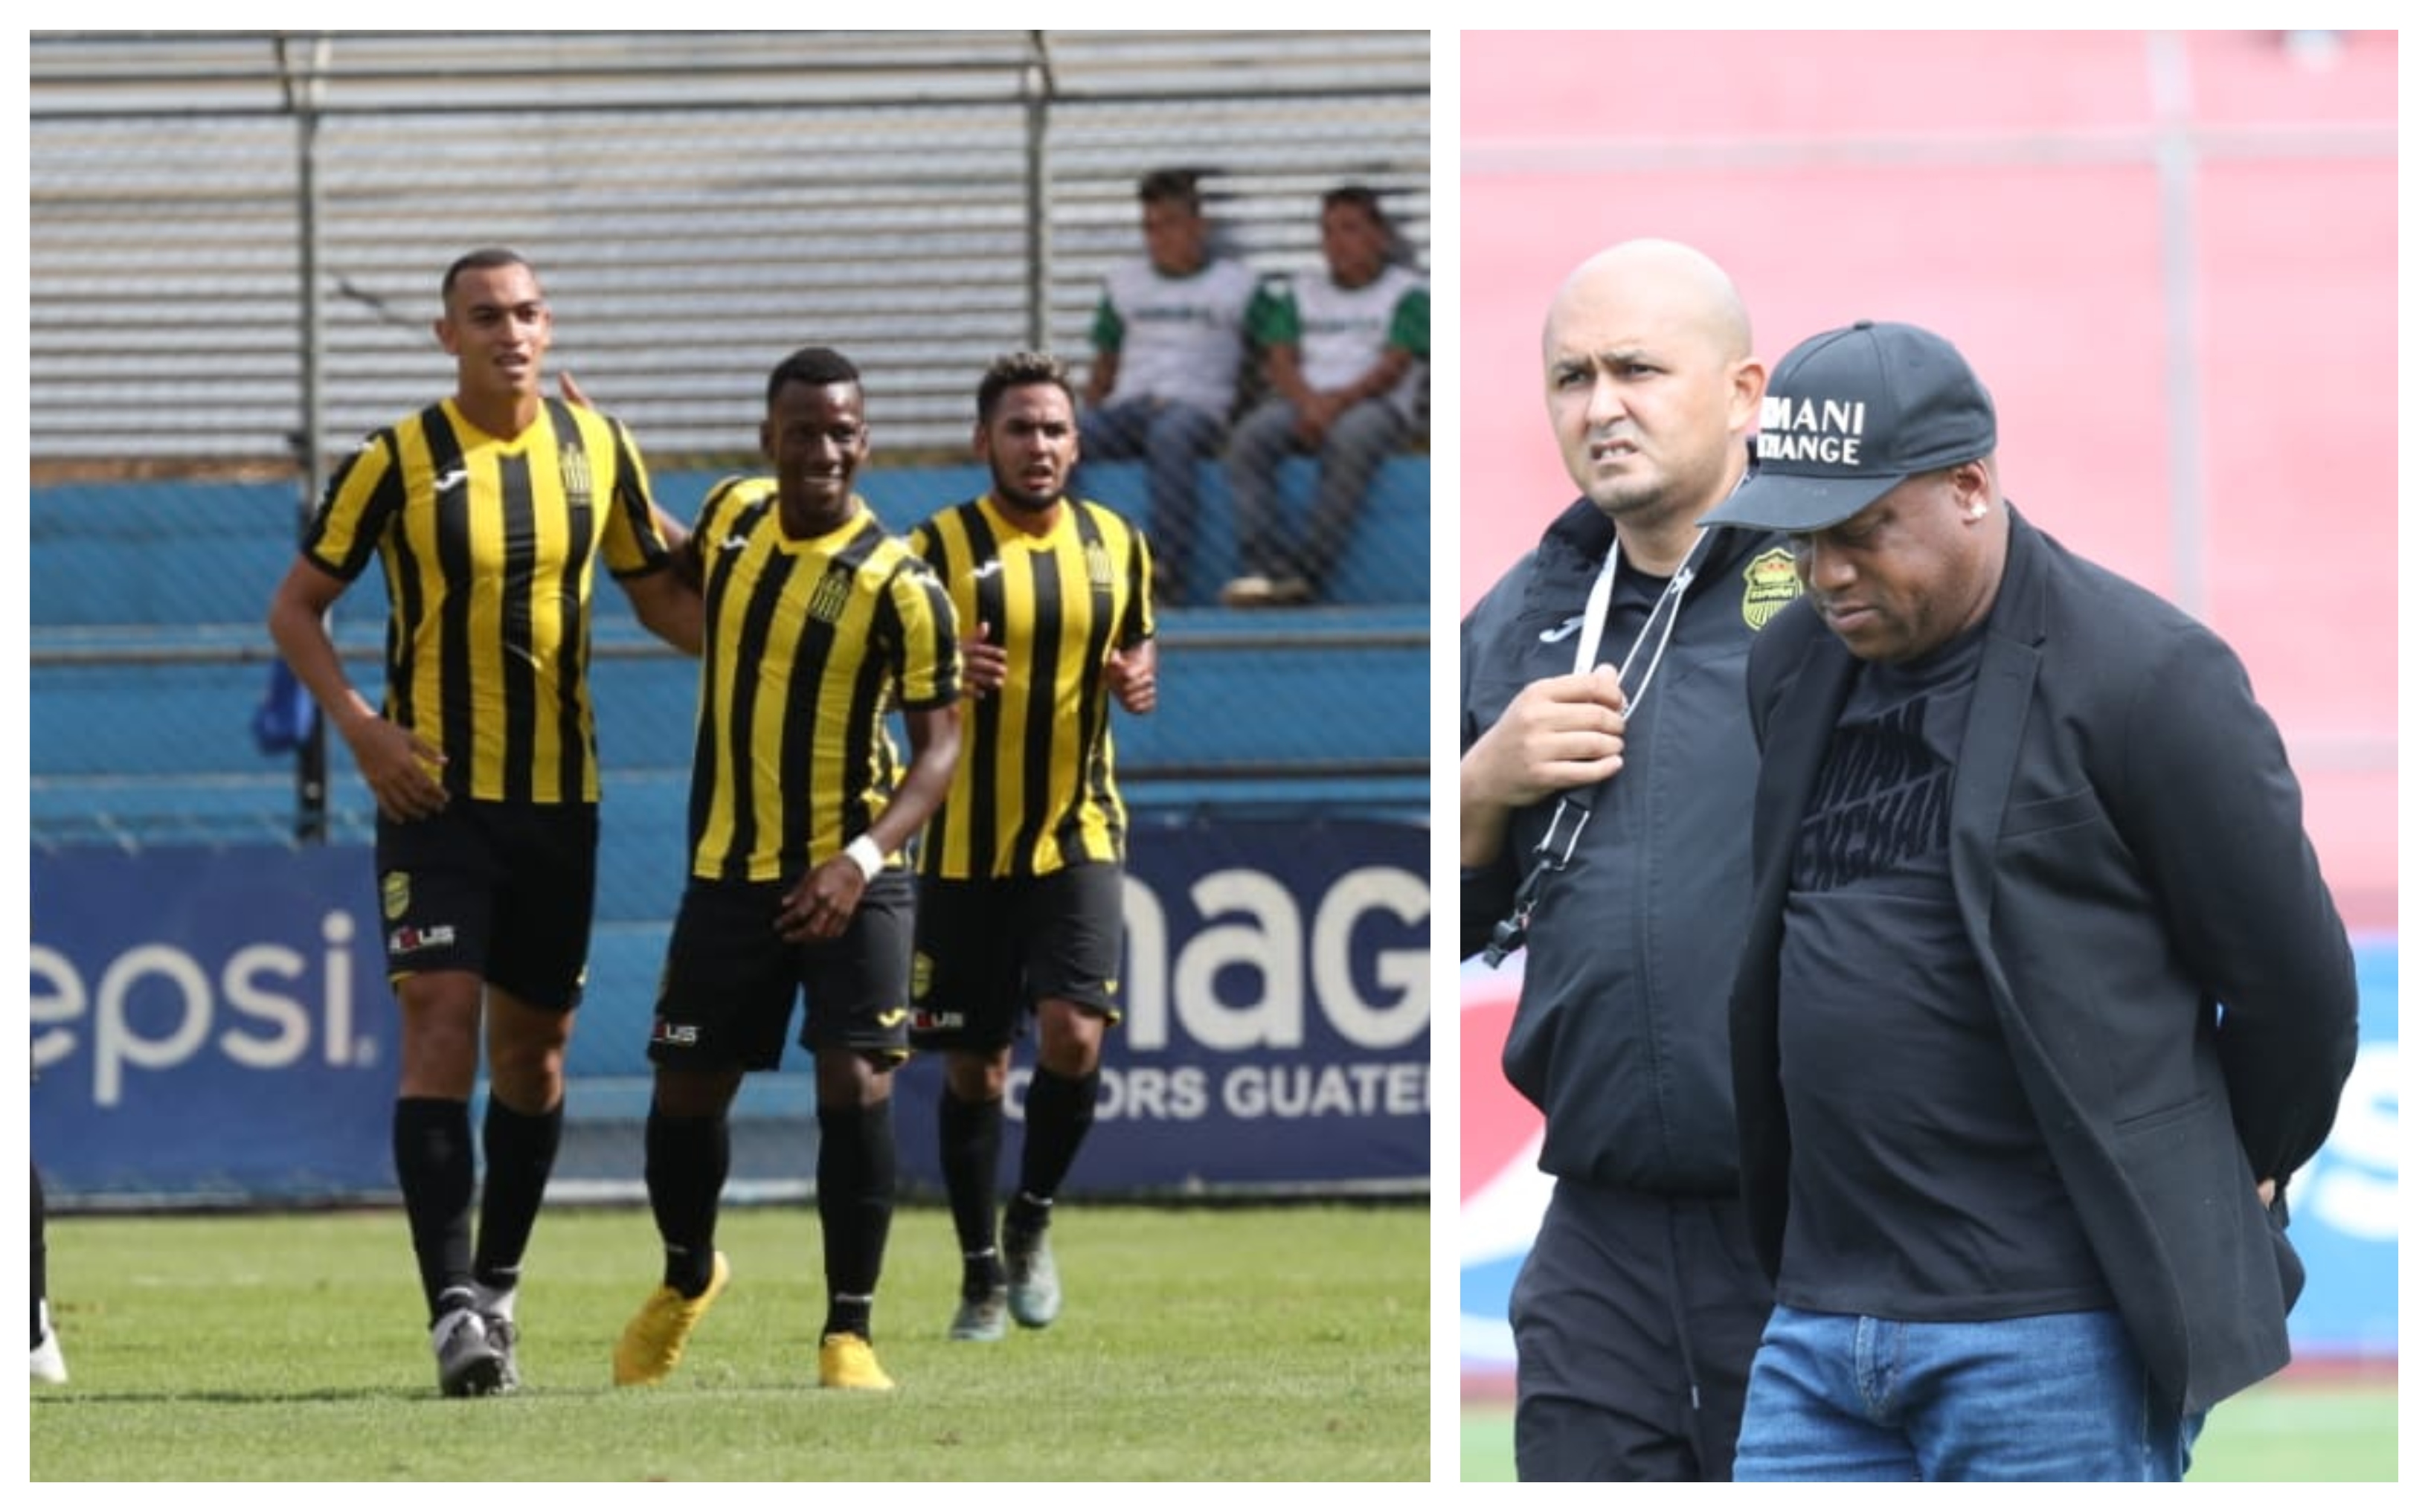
2128	854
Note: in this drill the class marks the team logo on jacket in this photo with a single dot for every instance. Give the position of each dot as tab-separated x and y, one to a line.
1771	584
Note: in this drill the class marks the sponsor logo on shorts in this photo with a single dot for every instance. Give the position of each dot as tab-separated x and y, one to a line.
407	941
663	1032
889	1017
929	1020
395	894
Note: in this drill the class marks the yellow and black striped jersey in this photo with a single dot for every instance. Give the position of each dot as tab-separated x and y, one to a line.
809	644
1034	789
487	543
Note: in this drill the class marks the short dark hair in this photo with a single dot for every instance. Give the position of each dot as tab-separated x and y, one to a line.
481	257
1021	370
814	366
1360	196
1170	186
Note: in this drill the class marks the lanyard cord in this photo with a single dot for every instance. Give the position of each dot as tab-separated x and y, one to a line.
1558	842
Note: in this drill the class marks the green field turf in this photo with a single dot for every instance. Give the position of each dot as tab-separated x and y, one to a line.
2277	1431
1284	1343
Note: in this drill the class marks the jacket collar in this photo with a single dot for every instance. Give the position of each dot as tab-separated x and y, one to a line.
2020	612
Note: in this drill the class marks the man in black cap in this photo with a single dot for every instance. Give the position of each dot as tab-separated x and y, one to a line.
2045	997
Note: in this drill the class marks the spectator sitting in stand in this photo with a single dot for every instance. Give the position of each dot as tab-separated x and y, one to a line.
1171	340
1343	352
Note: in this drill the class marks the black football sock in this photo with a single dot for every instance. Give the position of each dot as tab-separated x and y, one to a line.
520	1149
969	1139
41	1276
856	1175
432	1141
684	1161
1060	1111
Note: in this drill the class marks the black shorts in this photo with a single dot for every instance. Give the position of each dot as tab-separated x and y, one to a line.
500	889
989	950
732	980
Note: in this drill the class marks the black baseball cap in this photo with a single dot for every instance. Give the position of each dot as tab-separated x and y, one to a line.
1848	415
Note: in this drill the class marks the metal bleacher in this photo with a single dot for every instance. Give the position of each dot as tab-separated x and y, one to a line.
697	203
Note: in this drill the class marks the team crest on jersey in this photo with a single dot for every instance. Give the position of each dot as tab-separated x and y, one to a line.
1100	566
573	470
833	595
1771	584
395	894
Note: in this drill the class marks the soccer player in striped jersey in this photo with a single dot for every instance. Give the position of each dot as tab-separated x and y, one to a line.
1019	901
487	513
818	624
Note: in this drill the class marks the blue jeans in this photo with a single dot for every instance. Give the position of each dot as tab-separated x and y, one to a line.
1347	457
2061	1397
1172	437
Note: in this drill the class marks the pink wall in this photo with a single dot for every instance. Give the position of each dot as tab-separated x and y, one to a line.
2002	188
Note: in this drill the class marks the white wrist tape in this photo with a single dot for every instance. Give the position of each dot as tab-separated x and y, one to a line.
867	855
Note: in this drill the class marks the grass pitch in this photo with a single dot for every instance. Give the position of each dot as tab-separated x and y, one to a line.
1283	1342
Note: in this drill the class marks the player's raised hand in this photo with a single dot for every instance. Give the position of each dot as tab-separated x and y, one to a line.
1559	733
983	664
1130	674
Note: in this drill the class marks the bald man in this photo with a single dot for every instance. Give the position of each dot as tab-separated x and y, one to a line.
1605	777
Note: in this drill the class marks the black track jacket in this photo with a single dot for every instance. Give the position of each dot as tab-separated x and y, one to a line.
1621	1032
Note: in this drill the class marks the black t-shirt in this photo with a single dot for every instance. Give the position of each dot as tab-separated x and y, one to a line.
1919	1187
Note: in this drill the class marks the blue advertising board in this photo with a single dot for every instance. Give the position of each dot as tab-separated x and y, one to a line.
1277	1027
210	1023
2343	1202
214	1023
